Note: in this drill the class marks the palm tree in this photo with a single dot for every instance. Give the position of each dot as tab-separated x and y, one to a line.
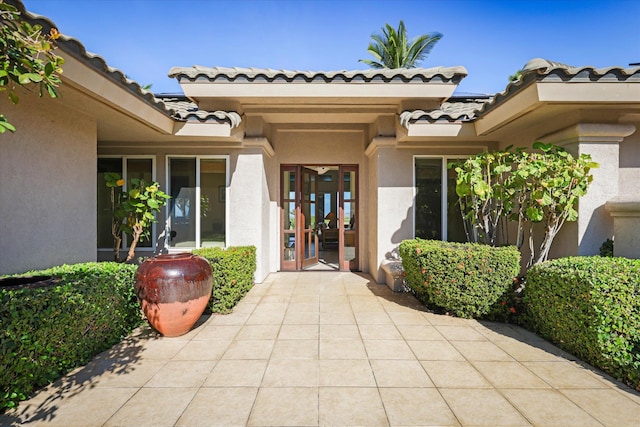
392	49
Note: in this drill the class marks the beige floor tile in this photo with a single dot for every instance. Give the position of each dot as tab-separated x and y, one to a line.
295	349
304	307
231	319
351	406
400	373
218	332
342	349
285	407
265	318
245	307
509	375
388	349
372	318
154	407
346	373
379	332
258	332
607	406
434	350
305	297
162	348
203	350
526	352
301	318
328	301
206	408
339	332
416	407
549	408
249	349
285	297
135	375
182	373
299	332
419	332
564	374
291	373
453	374
481	350
460	333
439	319
237	373
408	318
482	408
90	407
337	318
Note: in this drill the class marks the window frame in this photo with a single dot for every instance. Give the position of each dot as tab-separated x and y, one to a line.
445	159
154	234
198	229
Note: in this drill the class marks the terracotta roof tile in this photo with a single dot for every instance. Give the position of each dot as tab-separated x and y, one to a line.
450	111
401	75
543	70
184	109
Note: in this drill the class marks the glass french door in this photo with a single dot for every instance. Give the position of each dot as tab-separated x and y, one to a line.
308	220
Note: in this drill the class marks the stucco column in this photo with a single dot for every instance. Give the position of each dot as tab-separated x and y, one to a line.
625	212
393	201
601	141
250	217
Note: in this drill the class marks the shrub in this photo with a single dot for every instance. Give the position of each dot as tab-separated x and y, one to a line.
590	306
233	270
465	279
48	331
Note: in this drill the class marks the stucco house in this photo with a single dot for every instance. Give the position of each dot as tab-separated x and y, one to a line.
318	170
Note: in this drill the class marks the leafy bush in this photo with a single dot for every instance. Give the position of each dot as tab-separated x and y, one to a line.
590	306
233	270
48	331
606	249
465	279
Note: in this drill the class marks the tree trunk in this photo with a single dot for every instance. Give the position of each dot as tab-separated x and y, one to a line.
137	232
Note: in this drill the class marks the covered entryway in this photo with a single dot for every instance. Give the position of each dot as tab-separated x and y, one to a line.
319	211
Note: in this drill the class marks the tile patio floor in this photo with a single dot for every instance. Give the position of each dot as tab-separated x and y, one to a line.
333	349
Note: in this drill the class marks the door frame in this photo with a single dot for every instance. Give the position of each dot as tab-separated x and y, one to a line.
296	234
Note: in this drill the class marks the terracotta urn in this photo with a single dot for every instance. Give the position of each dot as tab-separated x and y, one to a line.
174	290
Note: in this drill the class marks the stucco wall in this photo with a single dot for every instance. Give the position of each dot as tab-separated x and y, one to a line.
629	180
47	186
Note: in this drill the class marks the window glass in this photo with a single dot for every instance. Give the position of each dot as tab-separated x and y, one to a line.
430	192
197	185
106	165
212	202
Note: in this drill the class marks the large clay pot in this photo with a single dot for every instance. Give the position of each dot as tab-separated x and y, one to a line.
173	290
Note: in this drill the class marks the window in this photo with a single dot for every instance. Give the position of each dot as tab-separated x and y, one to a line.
437	213
197	208
128	168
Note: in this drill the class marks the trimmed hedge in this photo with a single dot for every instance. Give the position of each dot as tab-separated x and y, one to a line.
47	331
233	269
465	279
589	306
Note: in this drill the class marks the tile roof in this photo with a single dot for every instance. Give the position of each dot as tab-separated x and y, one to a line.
400	75
76	48
450	111
184	109
543	70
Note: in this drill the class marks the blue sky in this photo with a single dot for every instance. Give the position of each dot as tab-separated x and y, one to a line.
492	39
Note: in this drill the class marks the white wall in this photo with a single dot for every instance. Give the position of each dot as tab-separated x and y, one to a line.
47	186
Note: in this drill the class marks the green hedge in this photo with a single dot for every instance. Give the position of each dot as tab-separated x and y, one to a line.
590	306
48	331
464	279
233	269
